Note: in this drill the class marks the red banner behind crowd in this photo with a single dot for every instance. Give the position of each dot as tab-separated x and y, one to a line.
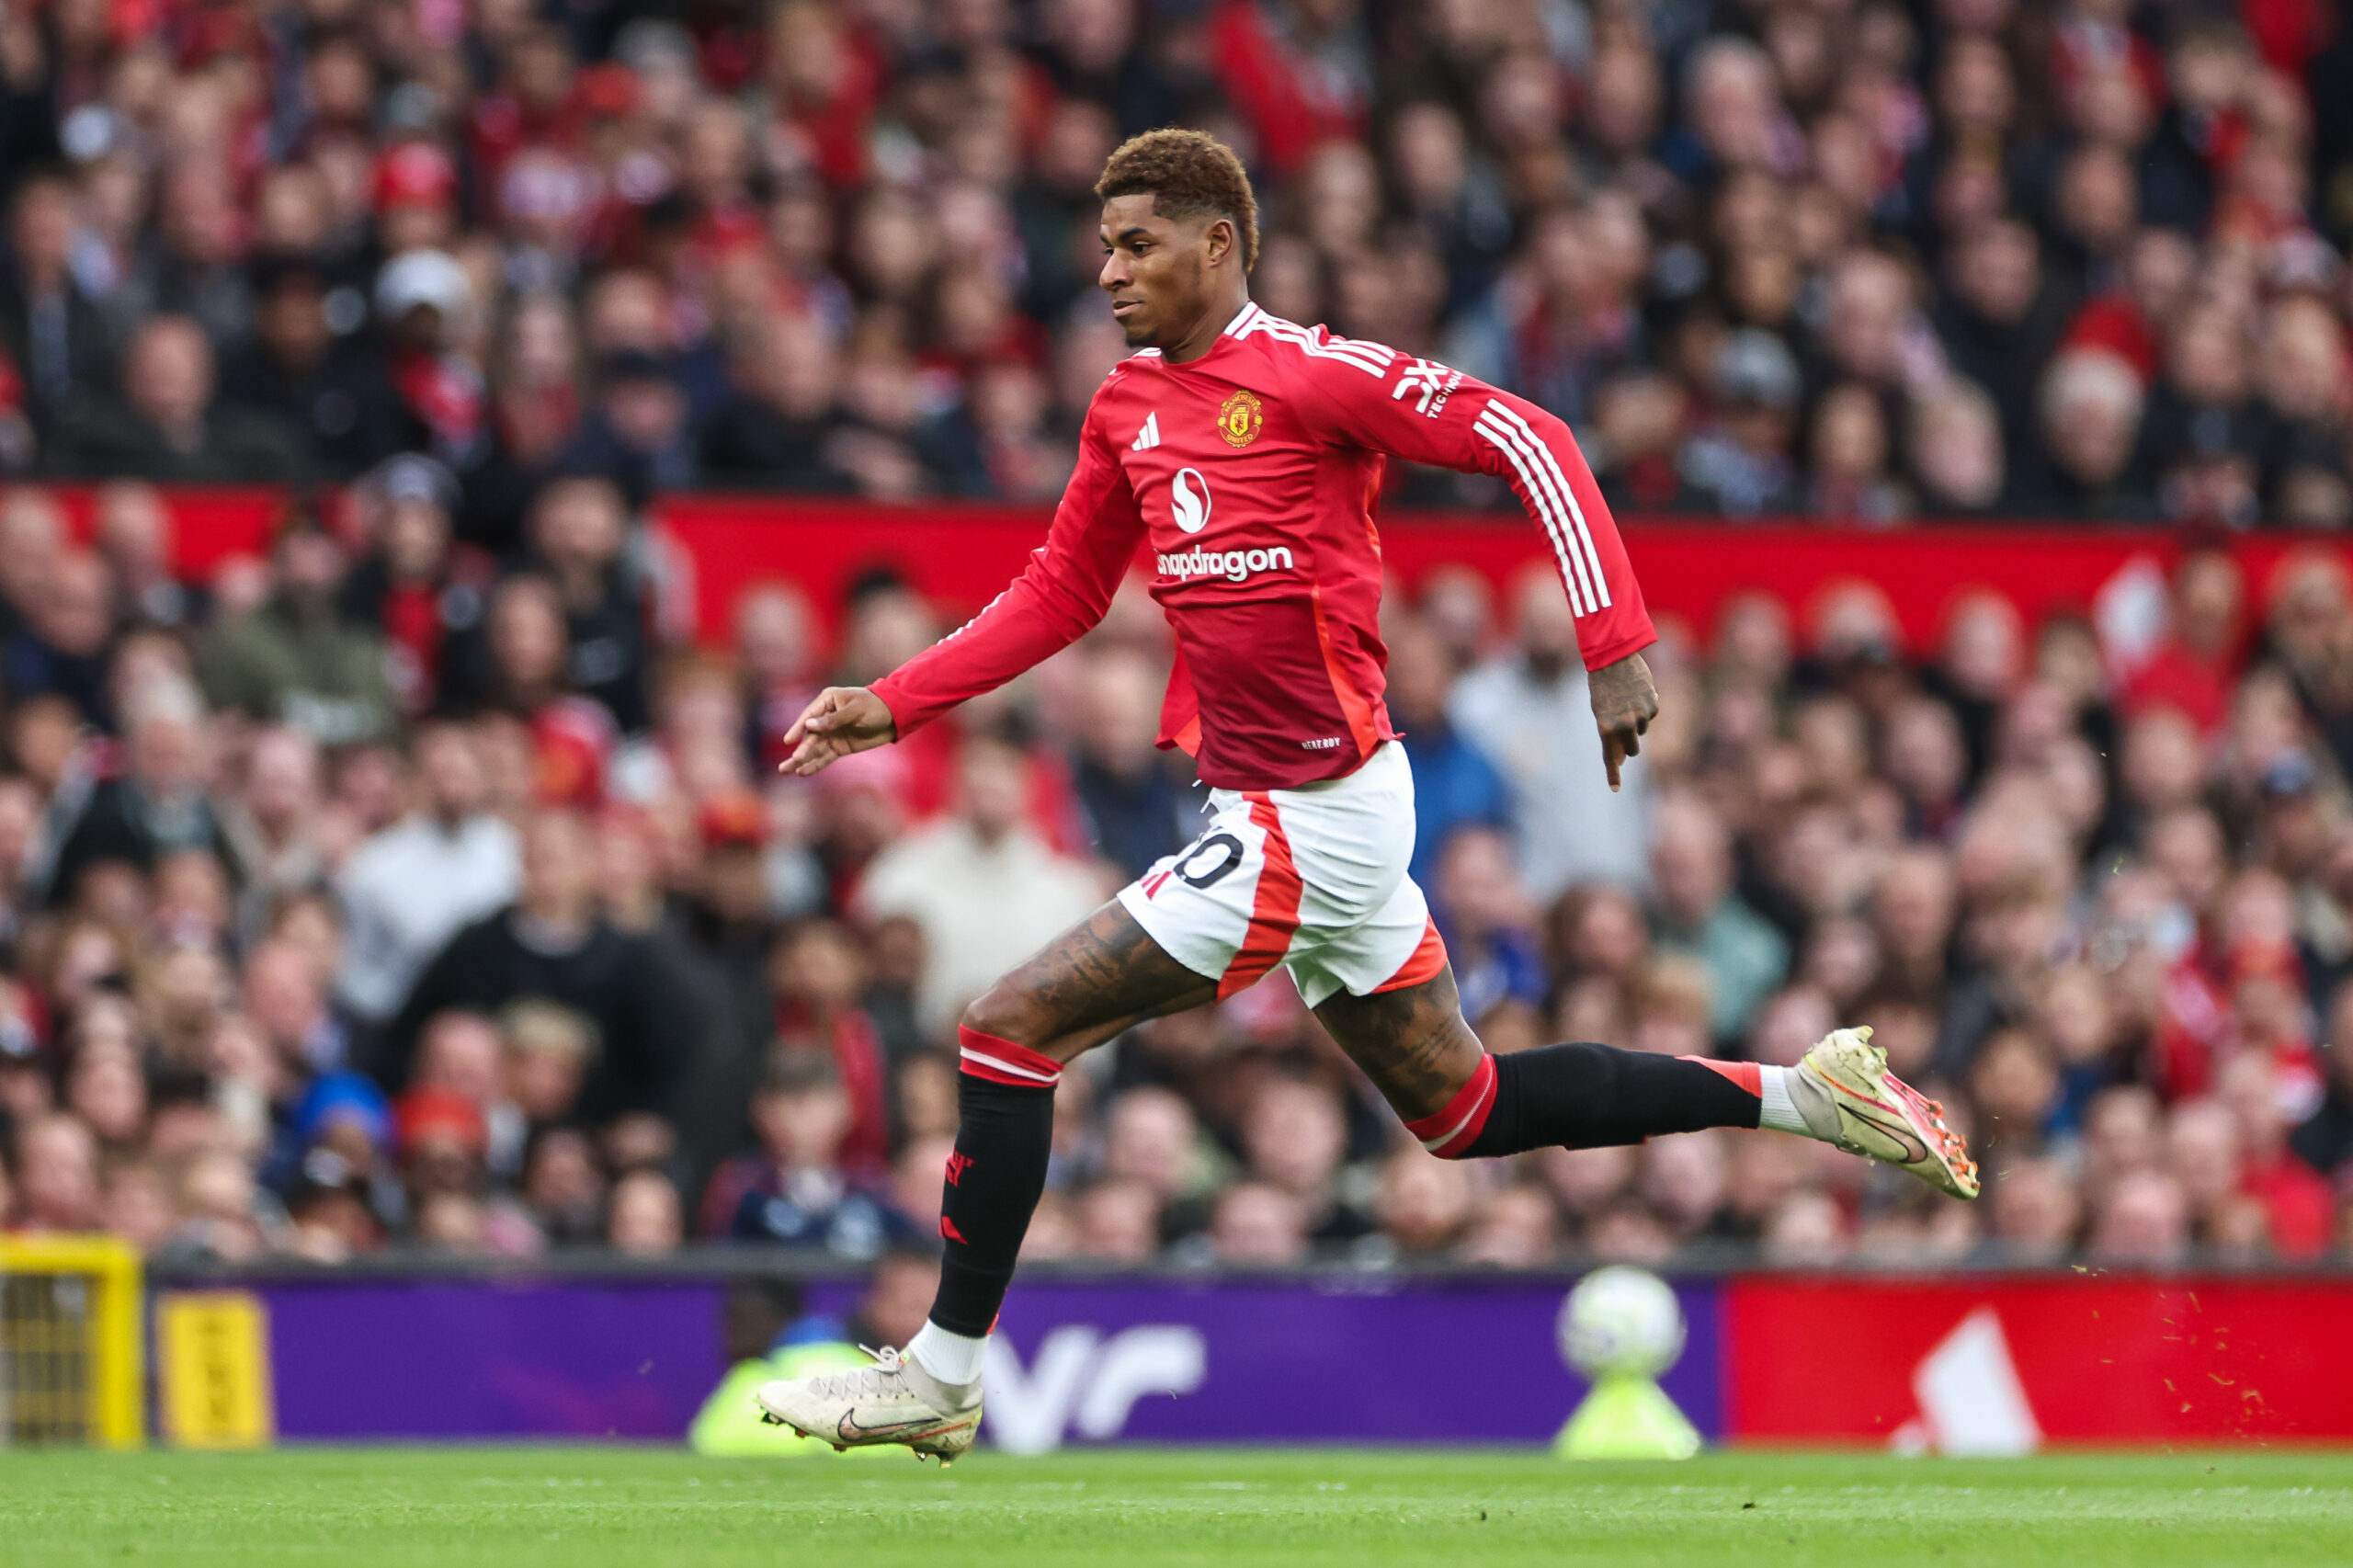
961	554
2006	1366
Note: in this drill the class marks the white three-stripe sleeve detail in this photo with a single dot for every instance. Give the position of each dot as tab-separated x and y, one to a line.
1577	513
1524	451
1547	512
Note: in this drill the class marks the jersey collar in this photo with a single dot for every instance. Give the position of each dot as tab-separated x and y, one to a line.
1234	329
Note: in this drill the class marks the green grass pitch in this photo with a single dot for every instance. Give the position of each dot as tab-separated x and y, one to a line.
592	1507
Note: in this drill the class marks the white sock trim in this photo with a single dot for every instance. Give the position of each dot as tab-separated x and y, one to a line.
1779	1112
953	1359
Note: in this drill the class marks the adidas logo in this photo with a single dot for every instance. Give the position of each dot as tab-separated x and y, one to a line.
1147	437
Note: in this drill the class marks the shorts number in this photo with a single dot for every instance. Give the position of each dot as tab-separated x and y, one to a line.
1189	862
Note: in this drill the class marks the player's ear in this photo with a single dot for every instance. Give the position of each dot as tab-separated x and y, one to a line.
1221	241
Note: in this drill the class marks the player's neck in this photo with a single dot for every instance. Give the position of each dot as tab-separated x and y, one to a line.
1203	334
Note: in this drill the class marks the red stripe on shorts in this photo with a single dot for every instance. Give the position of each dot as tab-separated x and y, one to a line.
1422	964
1274	915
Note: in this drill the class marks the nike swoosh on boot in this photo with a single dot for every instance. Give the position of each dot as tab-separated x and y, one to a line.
851	1432
1908	1143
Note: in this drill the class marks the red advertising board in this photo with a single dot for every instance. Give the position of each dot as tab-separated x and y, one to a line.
2006	1364
961	554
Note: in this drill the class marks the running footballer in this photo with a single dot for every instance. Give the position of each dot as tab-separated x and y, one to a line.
1248	450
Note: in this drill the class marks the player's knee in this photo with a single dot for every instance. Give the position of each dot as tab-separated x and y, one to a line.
1007	1012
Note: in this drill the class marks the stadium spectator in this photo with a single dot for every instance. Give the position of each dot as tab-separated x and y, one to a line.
157	807
792	1190
776	426
60	339
171	426
293	659
645	1219
2089	404
1454	784
1699	911
1294	1139
984	890
1528	713
132	534
1257	1225
60	650
1118	1222
1488	921
408	890
326	395
57	1174
1423	1203
553	944
1135	810
425	590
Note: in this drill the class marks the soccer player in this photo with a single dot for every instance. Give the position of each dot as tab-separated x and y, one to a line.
1248	450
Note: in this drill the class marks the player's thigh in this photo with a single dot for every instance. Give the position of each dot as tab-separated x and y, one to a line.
1102	976
1411	1042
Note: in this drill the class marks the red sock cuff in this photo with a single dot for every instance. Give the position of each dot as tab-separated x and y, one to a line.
1744	1073
1002	1061
1454	1129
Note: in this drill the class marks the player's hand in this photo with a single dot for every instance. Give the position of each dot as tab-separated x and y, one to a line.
1624	703
843	718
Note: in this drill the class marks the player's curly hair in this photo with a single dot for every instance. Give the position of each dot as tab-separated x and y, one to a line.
1189	174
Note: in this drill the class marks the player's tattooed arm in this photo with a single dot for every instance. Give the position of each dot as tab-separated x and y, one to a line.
1624	703
841	720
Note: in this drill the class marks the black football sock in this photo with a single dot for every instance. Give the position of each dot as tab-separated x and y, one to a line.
1004	1135
1587	1097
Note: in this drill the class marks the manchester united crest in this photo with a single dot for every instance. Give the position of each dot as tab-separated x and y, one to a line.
1240	418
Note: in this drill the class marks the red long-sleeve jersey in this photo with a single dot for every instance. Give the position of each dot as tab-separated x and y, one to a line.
1253	472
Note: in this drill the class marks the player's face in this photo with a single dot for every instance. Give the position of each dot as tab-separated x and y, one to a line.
1157	270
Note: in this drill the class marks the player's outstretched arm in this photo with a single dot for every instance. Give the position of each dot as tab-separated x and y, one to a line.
1625	700
1424	412
841	720
1060	596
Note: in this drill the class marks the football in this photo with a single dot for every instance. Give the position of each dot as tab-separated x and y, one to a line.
1621	1321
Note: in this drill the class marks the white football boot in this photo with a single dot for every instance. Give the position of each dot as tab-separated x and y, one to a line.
894	1401
1878	1114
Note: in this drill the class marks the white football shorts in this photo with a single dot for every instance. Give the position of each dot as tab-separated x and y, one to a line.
1313	878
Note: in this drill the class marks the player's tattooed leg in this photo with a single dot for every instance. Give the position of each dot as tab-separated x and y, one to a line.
1096	980
1415	1046
1412	1042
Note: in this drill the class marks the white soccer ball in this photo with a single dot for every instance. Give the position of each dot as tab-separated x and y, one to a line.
1621	1321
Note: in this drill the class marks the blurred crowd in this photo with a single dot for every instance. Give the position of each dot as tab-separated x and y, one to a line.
373	895
1856	258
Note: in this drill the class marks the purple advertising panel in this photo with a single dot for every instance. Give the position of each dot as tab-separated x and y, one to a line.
434	1358
1347	1359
